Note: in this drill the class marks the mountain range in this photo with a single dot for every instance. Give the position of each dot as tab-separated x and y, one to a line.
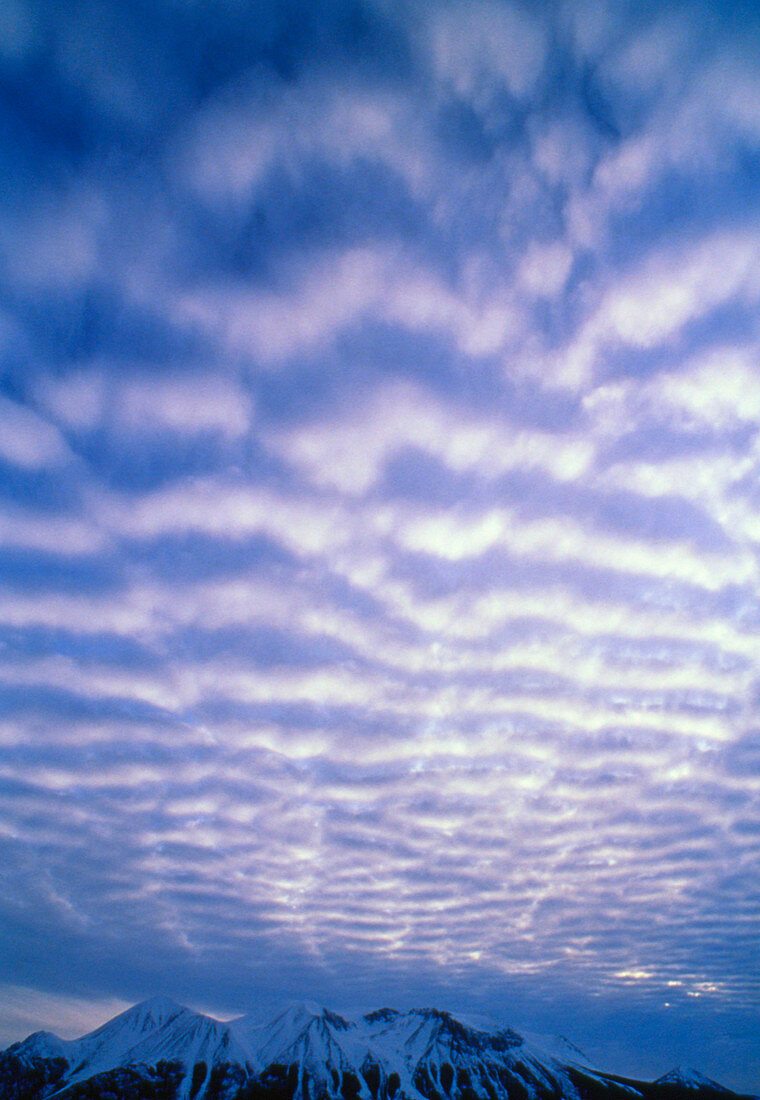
160	1050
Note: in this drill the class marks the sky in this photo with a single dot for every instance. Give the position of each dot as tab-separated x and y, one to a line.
379	455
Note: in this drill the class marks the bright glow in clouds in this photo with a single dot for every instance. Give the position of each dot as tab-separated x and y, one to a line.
379	466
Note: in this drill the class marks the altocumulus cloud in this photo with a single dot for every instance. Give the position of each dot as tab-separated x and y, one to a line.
379	466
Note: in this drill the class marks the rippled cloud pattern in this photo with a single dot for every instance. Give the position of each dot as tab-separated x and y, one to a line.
380	511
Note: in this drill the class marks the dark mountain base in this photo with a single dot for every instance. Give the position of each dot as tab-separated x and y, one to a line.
45	1078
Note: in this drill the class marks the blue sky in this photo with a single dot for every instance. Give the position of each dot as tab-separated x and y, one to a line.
379	462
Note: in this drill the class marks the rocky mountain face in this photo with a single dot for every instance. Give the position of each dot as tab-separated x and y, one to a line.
159	1050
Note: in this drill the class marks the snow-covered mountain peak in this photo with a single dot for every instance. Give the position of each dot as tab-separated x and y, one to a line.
686	1077
432	1034
310	1008
298	1017
557	1047
381	1015
146	1033
156	1012
302	1032
40	1044
304	1013
442	1030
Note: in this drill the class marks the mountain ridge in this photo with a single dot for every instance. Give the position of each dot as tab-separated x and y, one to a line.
161	1050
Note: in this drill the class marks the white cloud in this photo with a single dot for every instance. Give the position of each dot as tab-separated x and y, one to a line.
713	392
345	288
653	61
270	327
590	25
479	48
78	401
454	536
669	290
212	506
192	403
350	454
545	267
126	398
677	287
562	150
717	390
237	140
28	440
59	534
732	86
